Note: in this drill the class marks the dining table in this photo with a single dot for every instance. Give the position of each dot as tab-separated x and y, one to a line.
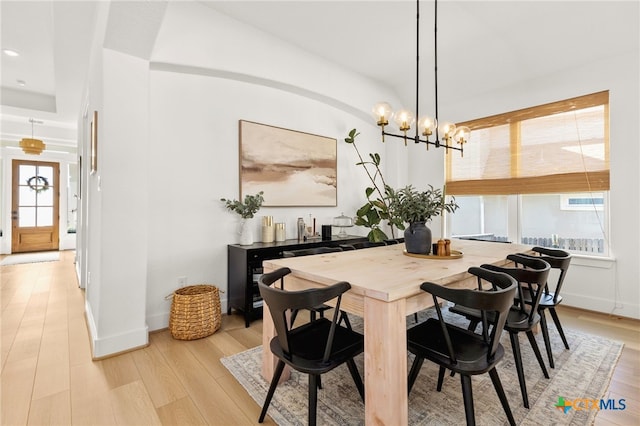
385	289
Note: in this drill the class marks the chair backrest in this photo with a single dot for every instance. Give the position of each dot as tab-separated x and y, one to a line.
367	244
496	302
280	301
310	251
534	274
557	259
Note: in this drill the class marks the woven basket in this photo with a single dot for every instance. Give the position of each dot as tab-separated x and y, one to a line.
195	312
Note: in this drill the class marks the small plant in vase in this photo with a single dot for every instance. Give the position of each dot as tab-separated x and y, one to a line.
246	210
417	208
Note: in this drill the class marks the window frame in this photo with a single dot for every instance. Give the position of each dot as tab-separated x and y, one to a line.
584	181
514	187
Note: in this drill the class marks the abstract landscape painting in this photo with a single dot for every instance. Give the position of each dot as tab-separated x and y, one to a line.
292	168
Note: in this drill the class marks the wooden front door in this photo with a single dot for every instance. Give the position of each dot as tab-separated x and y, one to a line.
34	206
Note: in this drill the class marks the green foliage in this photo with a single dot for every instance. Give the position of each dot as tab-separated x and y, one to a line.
397	207
376	209
411	205
246	210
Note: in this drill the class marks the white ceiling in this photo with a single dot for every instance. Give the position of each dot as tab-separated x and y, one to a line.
481	45
53	39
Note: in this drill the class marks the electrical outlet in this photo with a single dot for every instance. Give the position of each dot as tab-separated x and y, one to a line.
182	281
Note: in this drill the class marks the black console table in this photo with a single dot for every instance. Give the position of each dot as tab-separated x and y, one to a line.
244	267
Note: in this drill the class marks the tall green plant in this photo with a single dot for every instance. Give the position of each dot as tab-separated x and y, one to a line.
376	209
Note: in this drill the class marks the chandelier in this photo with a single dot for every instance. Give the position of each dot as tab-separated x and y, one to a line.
425	126
31	145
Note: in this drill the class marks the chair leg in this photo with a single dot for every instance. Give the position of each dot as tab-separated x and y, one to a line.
497	384
313	399
556	321
272	389
467	396
545	336
312	316
415	317
536	350
356	377
517	356
415	370
345	318
441	377
472	325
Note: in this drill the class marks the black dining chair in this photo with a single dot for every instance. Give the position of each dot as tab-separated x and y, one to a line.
368	244
321	309
559	260
461	350
313	348
310	251
523	317
347	247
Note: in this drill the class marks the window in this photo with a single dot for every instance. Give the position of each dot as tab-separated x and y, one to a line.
539	176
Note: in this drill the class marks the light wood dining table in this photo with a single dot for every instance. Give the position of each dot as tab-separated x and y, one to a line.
385	288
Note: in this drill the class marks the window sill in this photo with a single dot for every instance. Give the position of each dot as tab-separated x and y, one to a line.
603	262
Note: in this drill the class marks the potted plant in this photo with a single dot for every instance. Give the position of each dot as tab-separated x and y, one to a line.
417	208
376	209
246	210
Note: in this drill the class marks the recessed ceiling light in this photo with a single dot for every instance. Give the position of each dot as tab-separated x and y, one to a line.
10	52
21	83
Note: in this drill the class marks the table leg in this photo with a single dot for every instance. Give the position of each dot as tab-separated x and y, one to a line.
269	361
385	362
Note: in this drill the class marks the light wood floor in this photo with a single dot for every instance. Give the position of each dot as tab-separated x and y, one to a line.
48	376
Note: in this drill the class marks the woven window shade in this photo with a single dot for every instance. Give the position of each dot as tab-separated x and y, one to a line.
553	148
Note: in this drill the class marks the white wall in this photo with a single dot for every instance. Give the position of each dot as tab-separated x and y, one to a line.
113	234
606	286
200	88
195	163
169	149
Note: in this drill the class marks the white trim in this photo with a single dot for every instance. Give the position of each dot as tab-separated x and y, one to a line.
120	342
91	325
161	321
600	304
101	347
603	262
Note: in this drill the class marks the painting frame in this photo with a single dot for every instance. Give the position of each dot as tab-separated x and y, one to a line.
94	142
292	168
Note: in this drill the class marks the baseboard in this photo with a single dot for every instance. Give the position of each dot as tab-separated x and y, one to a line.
160	321
102	347
606	306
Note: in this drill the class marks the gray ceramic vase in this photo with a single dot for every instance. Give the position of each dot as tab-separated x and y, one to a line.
417	238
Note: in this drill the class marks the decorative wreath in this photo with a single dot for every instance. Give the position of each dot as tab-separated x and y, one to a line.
41	183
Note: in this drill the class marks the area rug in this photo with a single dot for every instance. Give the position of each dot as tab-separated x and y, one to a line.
584	371
45	256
